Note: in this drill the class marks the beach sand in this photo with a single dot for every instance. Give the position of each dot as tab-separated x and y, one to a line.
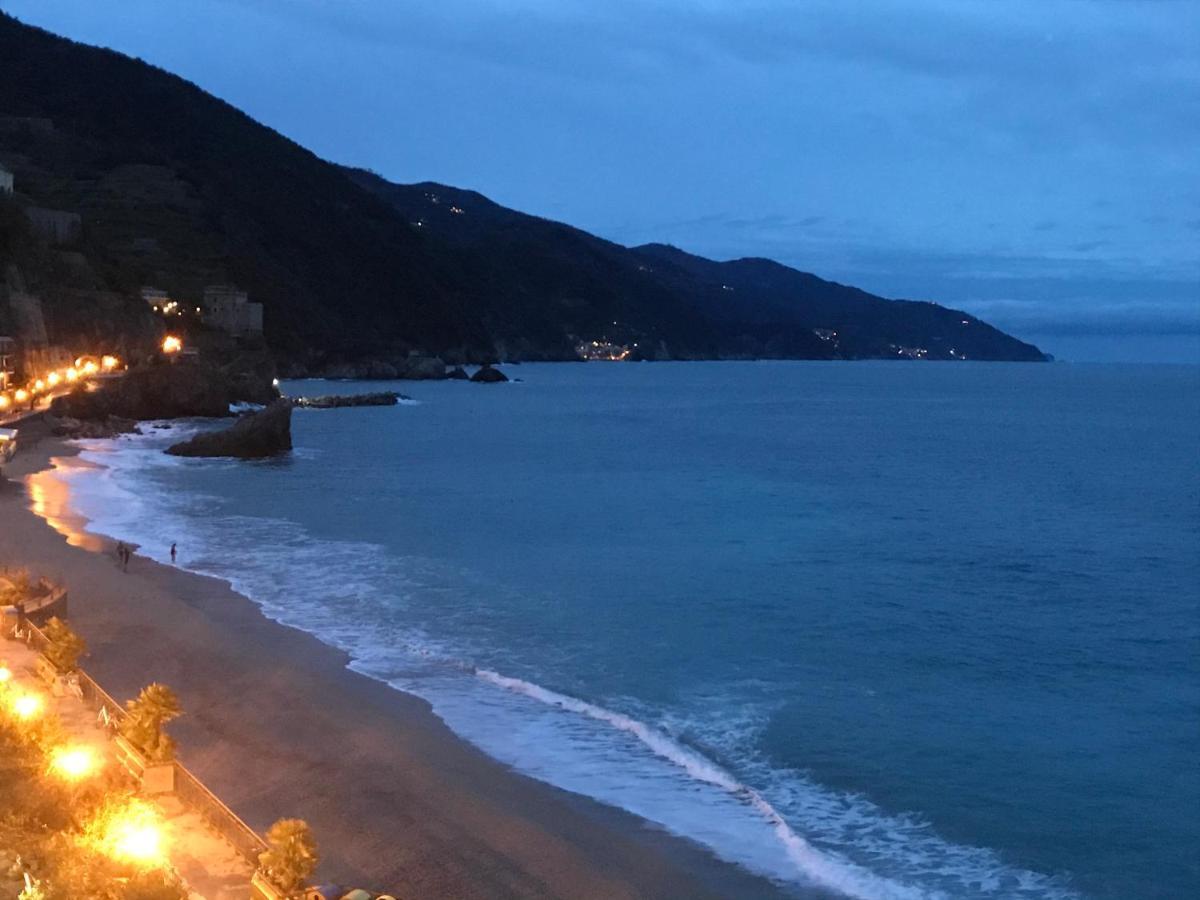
278	726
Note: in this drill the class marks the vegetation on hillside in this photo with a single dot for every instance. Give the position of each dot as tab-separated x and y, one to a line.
178	189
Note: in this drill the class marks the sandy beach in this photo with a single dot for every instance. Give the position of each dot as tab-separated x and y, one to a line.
278	726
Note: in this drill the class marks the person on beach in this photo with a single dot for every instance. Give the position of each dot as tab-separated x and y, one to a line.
172	553
121	555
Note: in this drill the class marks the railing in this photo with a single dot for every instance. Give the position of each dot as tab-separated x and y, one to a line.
99	698
193	794
188	788
33	636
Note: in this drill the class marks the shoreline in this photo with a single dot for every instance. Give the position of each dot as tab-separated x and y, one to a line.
279	725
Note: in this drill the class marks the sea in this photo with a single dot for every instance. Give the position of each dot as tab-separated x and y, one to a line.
893	630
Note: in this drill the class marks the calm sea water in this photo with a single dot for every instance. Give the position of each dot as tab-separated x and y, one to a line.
899	630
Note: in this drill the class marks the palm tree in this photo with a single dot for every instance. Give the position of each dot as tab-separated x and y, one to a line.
64	647
292	855
154	707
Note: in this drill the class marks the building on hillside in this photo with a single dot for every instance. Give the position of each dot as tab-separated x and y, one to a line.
8	362
6	181
58	225
156	298
228	308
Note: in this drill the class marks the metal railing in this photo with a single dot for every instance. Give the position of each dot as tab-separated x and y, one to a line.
193	794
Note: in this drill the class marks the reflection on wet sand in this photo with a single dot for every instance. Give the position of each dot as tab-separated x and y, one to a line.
49	496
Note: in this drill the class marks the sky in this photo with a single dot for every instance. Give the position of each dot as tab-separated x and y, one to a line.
1035	162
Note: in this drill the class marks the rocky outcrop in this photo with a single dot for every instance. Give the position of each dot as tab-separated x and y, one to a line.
488	375
166	391
386	398
423	368
254	436
76	428
413	367
458	373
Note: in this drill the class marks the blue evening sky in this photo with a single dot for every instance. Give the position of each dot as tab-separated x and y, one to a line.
1036	162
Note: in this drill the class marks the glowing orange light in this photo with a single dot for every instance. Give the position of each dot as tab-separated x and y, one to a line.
72	375
171	344
28	707
132	833
4	401
74	763
108	363
21	395
53	378
5	674
90	368
39	385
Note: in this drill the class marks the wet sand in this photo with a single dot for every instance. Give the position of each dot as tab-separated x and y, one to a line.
278	726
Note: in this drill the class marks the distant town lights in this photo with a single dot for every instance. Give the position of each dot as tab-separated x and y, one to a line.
171	344
21	395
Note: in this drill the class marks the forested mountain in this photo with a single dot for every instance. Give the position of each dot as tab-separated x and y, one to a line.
178	189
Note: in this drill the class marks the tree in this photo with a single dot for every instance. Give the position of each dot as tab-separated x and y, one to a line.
143	727
292	855
65	646
19	585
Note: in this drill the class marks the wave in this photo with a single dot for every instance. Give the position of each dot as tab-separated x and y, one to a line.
362	599
822	869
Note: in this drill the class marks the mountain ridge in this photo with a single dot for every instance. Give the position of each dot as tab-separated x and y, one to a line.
177	188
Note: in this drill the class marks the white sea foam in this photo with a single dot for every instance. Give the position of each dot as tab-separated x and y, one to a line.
357	597
822	868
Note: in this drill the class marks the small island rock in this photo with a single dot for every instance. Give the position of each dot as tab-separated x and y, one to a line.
254	436
384	398
488	375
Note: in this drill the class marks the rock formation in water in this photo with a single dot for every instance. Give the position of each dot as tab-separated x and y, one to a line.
488	375
386	398
253	436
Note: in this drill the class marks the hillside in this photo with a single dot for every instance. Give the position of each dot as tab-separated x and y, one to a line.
178	189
